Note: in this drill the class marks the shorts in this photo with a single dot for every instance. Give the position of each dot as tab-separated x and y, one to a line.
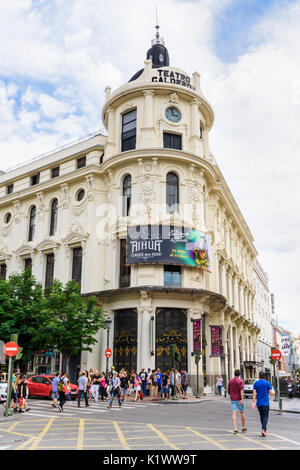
235	406
184	387
123	391
165	390
55	395
14	397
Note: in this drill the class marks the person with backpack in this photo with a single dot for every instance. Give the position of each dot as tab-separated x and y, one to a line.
61	391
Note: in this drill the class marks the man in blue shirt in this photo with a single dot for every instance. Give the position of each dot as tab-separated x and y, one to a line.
54	390
262	389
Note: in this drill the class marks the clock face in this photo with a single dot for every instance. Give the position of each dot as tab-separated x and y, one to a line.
173	114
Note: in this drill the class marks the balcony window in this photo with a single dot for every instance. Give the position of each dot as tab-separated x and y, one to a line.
172	276
129	131
172	141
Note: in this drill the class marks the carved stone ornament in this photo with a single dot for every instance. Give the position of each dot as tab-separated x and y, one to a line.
173	98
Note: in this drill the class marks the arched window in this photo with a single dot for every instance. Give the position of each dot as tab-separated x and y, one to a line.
32	223
126	195
172	193
53	217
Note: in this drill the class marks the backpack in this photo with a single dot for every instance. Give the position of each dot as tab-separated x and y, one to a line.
60	385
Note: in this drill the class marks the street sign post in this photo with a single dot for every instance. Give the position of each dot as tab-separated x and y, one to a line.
197	359
11	349
276	355
108	353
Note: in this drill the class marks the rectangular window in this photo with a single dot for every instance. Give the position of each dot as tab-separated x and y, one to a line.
124	270
81	162
129	131
77	265
172	141
34	179
10	189
172	276
55	172
49	269
28	263
3	271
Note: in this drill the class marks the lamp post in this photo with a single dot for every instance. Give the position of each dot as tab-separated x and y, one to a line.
107	327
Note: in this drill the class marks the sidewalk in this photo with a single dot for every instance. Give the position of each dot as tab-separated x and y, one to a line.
289	405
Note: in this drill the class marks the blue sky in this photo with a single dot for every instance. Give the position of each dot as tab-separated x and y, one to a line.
234	25
57	59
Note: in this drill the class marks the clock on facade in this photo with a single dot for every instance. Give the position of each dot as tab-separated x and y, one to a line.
173	114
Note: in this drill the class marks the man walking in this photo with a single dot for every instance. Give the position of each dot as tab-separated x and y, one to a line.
54	390
115	389
262	389
82	388
236	393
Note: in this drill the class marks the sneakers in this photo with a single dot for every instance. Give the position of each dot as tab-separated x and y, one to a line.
109	406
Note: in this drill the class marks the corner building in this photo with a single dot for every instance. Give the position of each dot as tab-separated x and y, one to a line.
153	169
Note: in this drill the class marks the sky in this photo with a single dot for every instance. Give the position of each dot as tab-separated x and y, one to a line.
57	56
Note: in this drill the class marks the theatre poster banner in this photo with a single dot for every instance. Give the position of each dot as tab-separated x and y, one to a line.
216	341
162	244
197	335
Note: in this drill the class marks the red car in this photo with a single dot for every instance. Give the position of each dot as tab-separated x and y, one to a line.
41	386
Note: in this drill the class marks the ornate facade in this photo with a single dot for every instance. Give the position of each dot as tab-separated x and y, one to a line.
156	152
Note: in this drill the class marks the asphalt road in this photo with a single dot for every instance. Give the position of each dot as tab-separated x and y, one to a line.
145	426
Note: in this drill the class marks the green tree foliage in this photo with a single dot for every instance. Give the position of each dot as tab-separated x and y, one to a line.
72	320
21	311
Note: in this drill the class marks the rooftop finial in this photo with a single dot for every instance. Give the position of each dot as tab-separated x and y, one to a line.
158	39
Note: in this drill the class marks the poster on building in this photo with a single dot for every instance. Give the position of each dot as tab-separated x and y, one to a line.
163	244
285	345
216	341
197	335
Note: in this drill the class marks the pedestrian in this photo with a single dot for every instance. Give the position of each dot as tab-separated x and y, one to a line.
165	386
115	389
143	377
89	383
95	385
262	389
125	383
103	387
82	388
137	386
184	384
219	384
68	385
178	383
236	393
158	378
148	384
61	390
153	386
21	384
54	390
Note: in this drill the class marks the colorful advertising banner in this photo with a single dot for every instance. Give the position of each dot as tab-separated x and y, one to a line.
216	341
164	244
197	335
285	345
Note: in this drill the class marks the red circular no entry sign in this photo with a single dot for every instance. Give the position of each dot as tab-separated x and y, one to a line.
107	352
276	355
11	349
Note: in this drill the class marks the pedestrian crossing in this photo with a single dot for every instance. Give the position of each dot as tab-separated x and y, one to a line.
43	408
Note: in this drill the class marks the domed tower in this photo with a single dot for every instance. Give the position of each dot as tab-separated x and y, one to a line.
162	282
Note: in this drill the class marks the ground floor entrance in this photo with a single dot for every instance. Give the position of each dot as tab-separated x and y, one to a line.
171	328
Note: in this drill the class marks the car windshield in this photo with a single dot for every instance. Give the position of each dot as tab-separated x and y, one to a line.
249	381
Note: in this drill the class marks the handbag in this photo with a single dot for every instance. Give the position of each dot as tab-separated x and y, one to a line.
21	401
141	396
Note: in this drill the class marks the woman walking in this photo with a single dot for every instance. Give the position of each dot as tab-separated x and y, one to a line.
137	386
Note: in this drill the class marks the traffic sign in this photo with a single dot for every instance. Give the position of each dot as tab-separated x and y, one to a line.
11	349
276	355
107	352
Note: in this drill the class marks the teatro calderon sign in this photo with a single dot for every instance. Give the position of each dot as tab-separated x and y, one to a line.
173	77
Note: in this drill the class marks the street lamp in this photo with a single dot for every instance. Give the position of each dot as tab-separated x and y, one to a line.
107	327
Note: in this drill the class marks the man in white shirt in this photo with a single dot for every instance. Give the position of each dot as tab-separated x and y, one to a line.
82	390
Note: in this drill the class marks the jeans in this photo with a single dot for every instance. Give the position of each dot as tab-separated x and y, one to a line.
112	394
264	416
144	388
80	393
62	399
220	389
